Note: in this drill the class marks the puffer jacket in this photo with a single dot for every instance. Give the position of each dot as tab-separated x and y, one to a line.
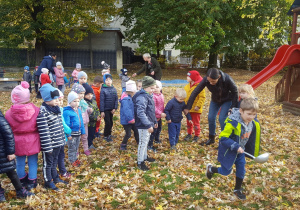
199	100
7	146
22	119
48	63
59	76
174	111
126	110
74	120
109	98
159	102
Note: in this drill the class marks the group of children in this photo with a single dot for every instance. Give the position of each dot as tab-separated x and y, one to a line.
51	126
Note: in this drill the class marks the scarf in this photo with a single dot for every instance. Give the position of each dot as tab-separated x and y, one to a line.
83	105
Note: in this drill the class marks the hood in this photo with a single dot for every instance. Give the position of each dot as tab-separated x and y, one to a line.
68	108
197	82
124	95
236	115
23	112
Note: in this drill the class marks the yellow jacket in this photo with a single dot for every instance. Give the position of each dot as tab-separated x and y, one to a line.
200	99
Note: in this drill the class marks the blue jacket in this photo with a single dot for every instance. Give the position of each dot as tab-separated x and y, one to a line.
230	139
108	98
127	109
74	120
67	129
174	110
47	62
144	110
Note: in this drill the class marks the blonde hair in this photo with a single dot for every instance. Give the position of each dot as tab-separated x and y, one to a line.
180	92
248	89
249	104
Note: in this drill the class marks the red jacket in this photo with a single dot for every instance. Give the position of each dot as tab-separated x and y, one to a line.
45	79
97	91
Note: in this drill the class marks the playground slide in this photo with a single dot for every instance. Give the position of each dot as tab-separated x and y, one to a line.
286	55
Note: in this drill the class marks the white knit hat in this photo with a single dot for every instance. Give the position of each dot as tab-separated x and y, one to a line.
131	86
45	70
158	83
72	96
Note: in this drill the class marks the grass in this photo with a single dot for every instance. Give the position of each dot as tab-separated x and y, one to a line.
99	164
115	204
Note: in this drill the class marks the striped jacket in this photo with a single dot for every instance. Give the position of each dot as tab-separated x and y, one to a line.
51	129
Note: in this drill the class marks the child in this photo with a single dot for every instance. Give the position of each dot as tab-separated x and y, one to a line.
98	81
139	84
27	76
73	119
7	162
61	156
106	69
86	111
22	119
82	77
245	91
127	114
59	75
159	102
36	80
173	110
52	135
241	133
94	117
44	78
124	78
144	110
108	105
75	72
194	78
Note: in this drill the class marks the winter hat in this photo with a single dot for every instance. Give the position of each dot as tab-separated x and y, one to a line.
78	66
48	92
105	76
148	81
26	68
60	93
77	88
194	75
45	70
88	89
58	63
158	83
20	94
131	86
106	66
124	71
72	96
82	74
213	73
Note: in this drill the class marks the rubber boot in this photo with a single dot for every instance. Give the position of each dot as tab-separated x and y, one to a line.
24	181
2	196
32	183
210	140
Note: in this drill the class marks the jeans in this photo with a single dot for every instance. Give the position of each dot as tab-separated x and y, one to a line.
174	131
13	176
128	129
144	137
108	119
61	160
73	145
240	163
213	111
32	165
156	133
91	134
50	161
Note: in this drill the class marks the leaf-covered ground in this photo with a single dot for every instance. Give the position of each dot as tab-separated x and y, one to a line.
109	178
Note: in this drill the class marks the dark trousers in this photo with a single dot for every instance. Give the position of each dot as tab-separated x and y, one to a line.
128	129
60	87
91	134
156	133
29	86
13	176
61	160
174	131
36	87
108	119
50	161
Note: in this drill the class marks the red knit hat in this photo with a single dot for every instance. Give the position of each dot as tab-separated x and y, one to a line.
194	75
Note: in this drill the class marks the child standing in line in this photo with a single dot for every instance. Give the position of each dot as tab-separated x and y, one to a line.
108	105
22	118
159	102
124	78
98	81
82	77
194	78
36	80
95	116
44	78
139	84
75	72
7	160
73	118
52	134
234	140
127	114
59	75
173	111
144	110
27	76
106	69
245	91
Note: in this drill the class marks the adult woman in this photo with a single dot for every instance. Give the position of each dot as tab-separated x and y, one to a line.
224	95
151	67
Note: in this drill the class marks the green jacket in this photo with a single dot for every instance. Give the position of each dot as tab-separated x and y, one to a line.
155	67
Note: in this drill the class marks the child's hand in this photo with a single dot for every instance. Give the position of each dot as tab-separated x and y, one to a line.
70	138
196	108
150	130
190	121
113	111
156	125
163	115
102	114
11	157
134	75
98	118
240	150
169	121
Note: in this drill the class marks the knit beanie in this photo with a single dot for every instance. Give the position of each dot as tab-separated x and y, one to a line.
77	88
45	70
106	66
131	86
78	66
88	89
124	71
82	74
194	75
58	63
105	76
148	81
26	68
20	94
213	73
72	96
48	92
158	84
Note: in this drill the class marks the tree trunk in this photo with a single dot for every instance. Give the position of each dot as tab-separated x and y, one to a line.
212	62
157	48
39	51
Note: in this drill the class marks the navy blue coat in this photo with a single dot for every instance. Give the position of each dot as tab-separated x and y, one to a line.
144	110
108	98
47	62
174	110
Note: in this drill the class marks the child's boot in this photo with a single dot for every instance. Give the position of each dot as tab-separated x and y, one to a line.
210	170
195	139
123	147
239	194
23	193
143	166
210	140
32	183
24	181
238	189
188	137
2	197
51	185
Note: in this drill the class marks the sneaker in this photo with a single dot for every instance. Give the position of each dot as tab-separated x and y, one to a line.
87	152
2	196
51	185
173	148
143	166
107	139
123	147
32	183
152	148
23	193
240	194
76	163
195	139
149	159
58	180
92	147
66	175
188	137
208	172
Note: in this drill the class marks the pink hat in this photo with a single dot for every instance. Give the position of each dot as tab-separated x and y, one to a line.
20	94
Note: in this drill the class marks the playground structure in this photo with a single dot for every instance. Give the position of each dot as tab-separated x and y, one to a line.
288	88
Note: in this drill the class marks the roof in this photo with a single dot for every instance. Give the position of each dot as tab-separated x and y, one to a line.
294	5
118	30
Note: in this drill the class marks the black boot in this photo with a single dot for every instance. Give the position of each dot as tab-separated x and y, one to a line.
24	181
32	183
210	140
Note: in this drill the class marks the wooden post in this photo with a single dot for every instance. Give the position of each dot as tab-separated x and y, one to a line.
288	84
294	39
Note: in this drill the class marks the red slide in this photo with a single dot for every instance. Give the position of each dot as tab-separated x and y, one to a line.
286	55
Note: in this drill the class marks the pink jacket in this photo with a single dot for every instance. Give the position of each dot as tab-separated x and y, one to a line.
22	119
85	115
159	104
75	74
59	76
